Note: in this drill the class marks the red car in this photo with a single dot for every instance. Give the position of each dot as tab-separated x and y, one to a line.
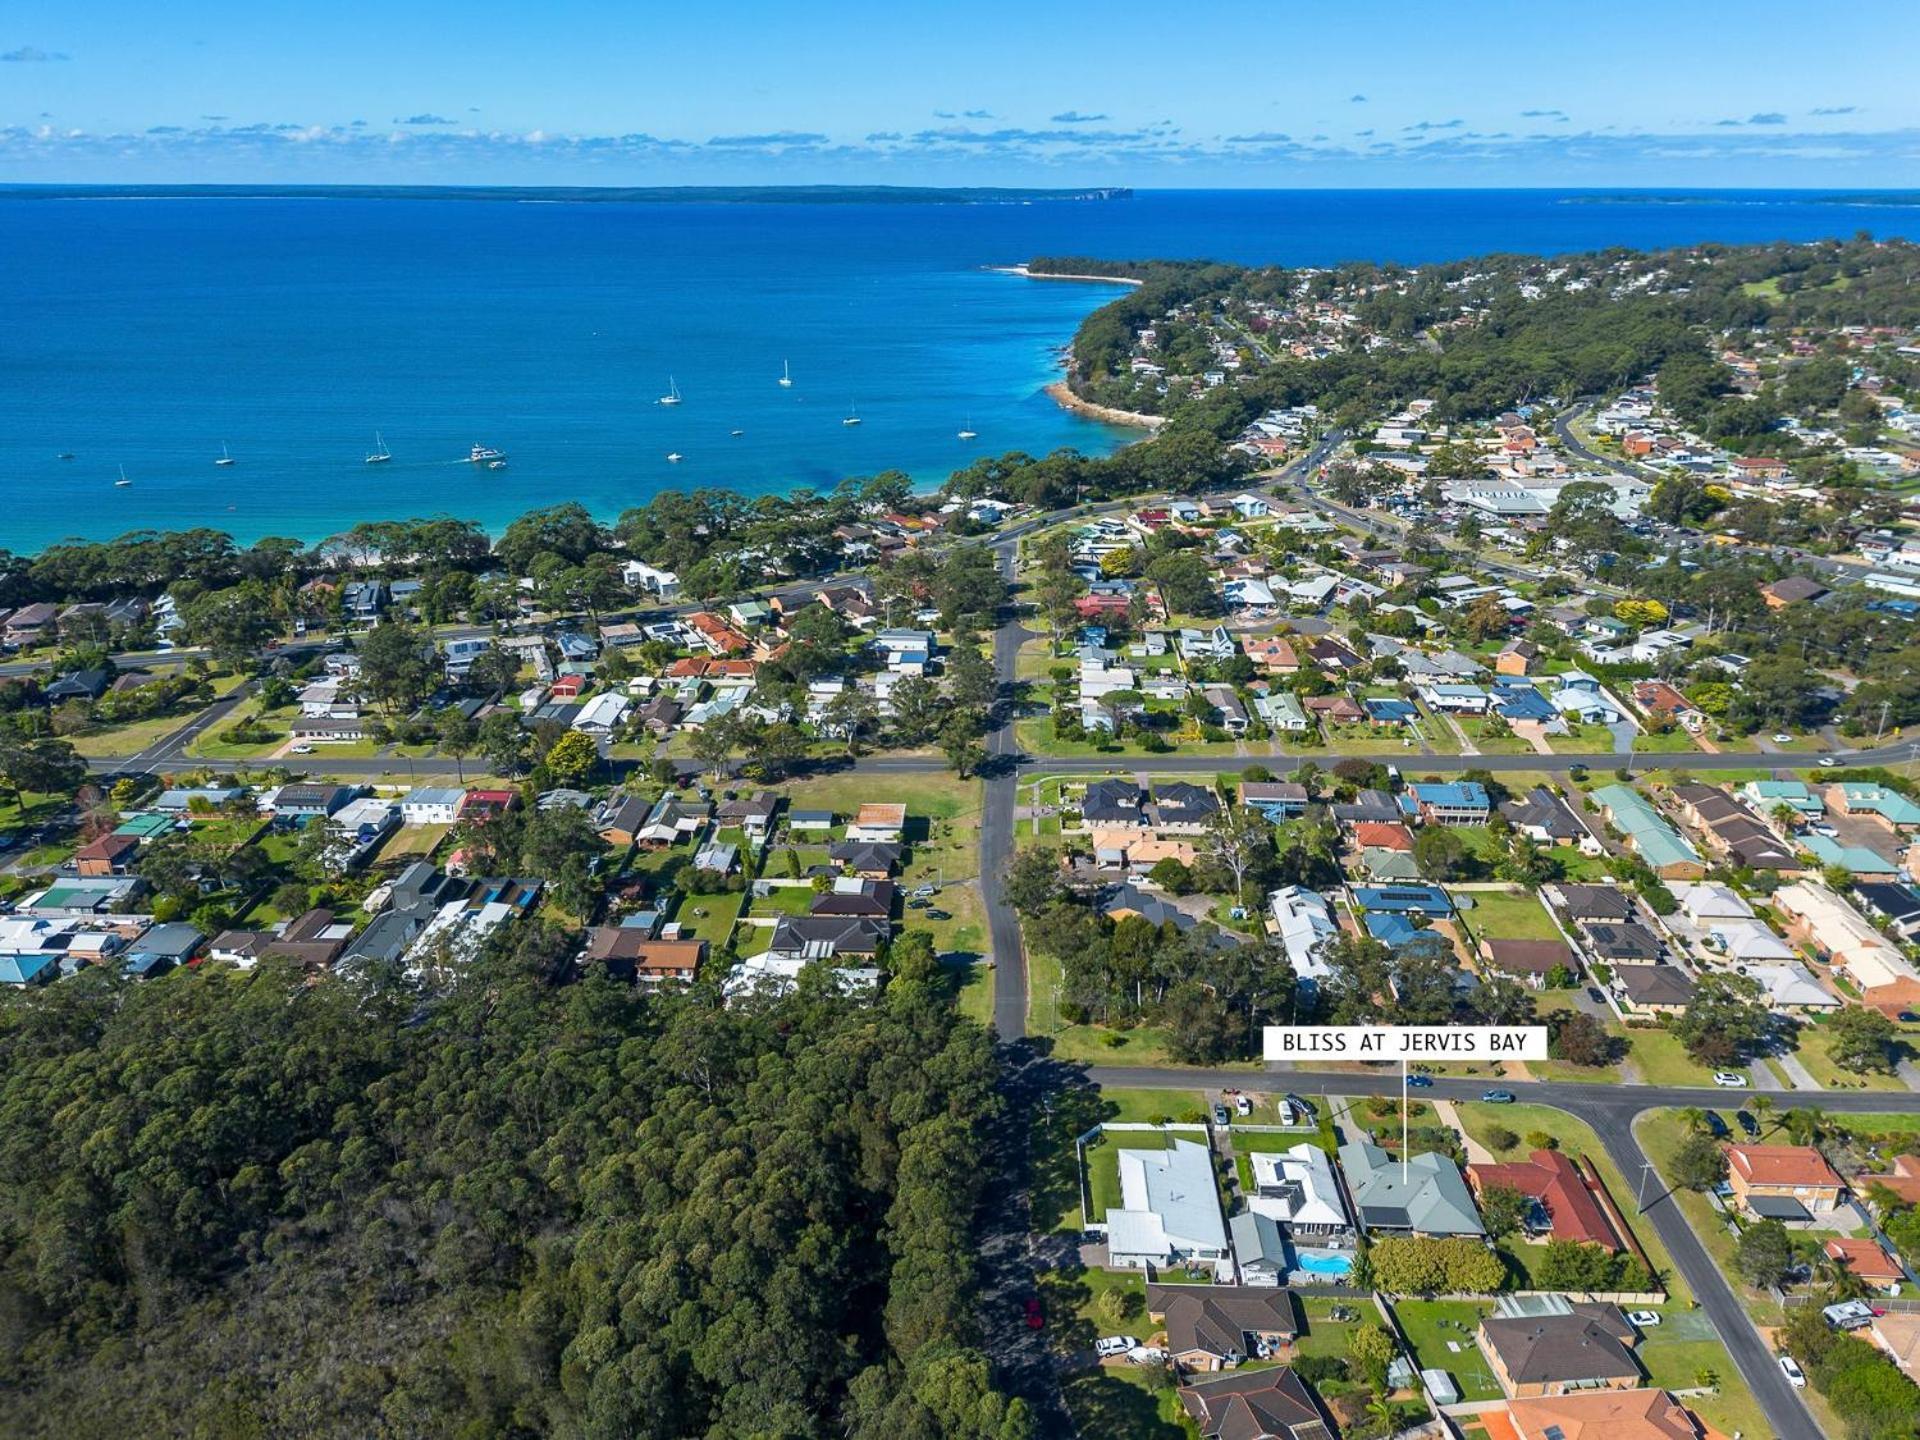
1036	1317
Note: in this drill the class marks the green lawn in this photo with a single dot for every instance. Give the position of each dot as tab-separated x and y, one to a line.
1576	1139
1814	1050
1120	1402
114	741
1441	1334
1475	728
716	924
1684	1350
1320	1333
1661	1133
211	744
943	816
1494	915
413	841
1676	741
1153	1107
783	900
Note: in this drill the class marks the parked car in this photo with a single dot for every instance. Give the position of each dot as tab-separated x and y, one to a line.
1790	1368
1749	1126
1109	1346
1305	1107
918	904
1643	1319
1036	1317
938	915
1716	1126
303	750
925	892
1243	1105
1498	1097
1221	1116
1594	994
1783	738
1420	1082
1729	1080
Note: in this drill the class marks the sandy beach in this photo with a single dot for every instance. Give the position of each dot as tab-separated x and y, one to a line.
1064	397
1027	274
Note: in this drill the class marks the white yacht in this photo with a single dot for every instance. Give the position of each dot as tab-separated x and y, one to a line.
786	376
485	455
225	458
672	397
379	455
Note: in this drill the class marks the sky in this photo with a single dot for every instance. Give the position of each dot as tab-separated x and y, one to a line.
1344	93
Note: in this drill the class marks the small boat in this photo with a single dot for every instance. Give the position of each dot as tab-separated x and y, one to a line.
379	455
786	376
853	417
225	458
672	397
64	455
674	457
967	432
485	455
123	481
496	464
736	432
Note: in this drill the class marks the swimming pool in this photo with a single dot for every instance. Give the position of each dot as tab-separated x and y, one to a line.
1323	1262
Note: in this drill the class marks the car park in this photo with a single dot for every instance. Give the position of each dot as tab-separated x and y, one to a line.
1111	1345
1729	1080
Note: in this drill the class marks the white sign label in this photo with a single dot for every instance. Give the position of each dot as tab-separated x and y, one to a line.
1406	1042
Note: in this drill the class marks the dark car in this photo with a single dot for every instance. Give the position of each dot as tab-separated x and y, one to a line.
1420	1082
1747	1123
938	915
1716	1126
1593	994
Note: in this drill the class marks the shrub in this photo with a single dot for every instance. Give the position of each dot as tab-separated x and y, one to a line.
1502	1139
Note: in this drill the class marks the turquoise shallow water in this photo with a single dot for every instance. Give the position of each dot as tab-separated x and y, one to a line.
147	333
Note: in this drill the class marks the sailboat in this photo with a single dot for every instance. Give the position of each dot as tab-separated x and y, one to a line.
379	455
853	417
786	376
225	458
967	432
123	481
672	397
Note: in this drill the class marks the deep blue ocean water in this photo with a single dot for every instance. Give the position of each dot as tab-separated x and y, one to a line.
147	333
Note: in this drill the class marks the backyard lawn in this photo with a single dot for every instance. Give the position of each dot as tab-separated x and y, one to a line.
716	924
1505	915
128	739
1441	1334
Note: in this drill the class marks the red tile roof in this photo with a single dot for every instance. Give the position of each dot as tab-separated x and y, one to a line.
1554	1180
1781	1165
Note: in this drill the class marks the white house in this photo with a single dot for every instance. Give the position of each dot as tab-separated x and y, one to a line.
432	805
1169	1208
1251	507
1297	1189
1304	924
602	714
661	584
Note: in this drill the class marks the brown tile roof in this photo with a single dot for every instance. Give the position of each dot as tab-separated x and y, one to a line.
1604	1415
1780	1165
1556	1182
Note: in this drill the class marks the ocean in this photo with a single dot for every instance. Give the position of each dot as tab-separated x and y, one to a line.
147	334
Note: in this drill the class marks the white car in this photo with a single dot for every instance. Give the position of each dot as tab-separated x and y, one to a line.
1113	1345
1790	1368
1643	1319
1783	739
302	750
1827	762
1243	1104
1727	1080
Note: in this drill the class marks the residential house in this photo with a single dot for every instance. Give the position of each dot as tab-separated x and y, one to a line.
432	805
1429	900
630	953
1896	904
1256	1405
1654	989
1630	943
110	854
1550	1349
1181	807
754	814
1862	797
1128	902
1531	960
619	820
1792	590
1603	1415
1849	941
1169	1210
1517	658
1335	709
1304	924
159	949
1457	802
299	802
1276	799
869	859
880	822
827	937
1648	834
1865	1259
1216	1327
852	895
28	625
717	635
1297	1189
1797	1173
1569	1201
1281	713
1432	1199
1594	902
82	685
1233	715
602	715
1544	817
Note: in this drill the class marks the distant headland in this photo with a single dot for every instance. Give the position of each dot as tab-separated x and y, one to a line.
580	194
